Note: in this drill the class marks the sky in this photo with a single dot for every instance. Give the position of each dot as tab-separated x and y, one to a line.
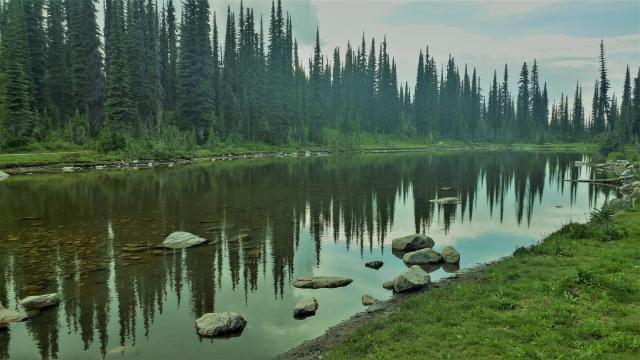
563	36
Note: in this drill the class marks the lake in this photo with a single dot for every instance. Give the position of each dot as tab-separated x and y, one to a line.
303	216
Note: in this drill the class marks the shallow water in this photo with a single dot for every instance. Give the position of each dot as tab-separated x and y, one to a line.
312	216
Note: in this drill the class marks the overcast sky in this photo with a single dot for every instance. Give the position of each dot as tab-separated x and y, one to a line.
563	36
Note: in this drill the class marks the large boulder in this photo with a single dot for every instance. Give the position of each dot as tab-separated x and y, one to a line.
39	301
181	240
422	257
413	279
412	243
9	316
450	255
305	307
319	282
214	324
374	264
3	175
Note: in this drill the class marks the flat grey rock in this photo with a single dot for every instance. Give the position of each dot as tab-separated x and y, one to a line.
39	301
446	201
422	257
3	175
214	324
319	282
181	240
413	279
8	316
412	243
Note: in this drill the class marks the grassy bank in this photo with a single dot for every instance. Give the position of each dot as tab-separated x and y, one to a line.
575	295
9	160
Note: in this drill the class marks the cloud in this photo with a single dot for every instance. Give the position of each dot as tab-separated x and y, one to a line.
509	8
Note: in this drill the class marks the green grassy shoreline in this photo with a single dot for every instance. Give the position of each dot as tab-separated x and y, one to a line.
575	295
81	156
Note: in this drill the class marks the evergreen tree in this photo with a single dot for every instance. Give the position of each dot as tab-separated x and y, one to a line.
86	61
194	82
601	122
119	111
524	105
57	80
17	101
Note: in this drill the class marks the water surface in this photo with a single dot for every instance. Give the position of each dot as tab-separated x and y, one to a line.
312	216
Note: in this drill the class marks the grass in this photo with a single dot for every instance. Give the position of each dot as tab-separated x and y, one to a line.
576	295
364	143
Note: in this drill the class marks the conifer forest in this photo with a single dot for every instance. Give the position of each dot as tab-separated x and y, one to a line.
148	74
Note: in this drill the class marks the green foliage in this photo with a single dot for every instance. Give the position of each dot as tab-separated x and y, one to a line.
110	141
76	129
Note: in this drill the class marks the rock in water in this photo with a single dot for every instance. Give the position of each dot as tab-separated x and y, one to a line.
181	240
305	307
368	300
446	201
374	264
422	257
318	282
3	175
412	279
39	301
412	242
450	255
214	324
9	316
388	285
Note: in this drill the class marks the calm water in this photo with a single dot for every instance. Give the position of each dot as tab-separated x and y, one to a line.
321	216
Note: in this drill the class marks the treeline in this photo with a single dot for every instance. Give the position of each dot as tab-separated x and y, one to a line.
150	76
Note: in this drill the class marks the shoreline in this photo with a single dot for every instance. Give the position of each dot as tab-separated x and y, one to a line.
339	334
67	162
355	333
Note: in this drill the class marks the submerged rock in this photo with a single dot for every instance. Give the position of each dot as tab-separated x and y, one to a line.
412	243
446	200
422	257
214	324
305	307
3	175
412	279
318	282
181	240
10	316
450	255
39	301
374	264
368	300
